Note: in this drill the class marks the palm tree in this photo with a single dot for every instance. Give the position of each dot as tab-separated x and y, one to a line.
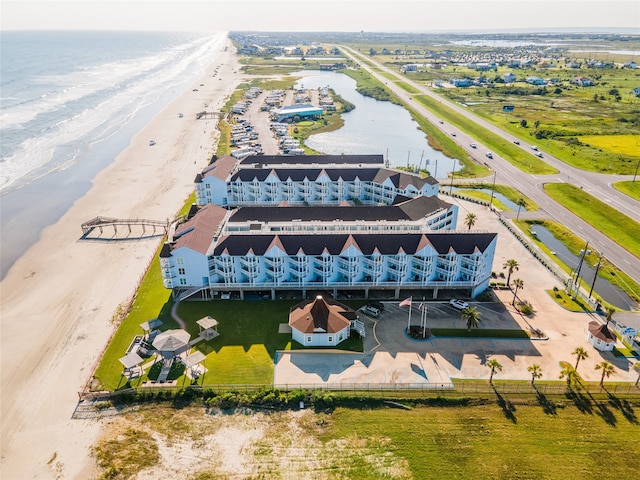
510	265
607	370
521	203
570	374
495	366
535	371
580	354
472	316
518	284
636	367
608	314
470	220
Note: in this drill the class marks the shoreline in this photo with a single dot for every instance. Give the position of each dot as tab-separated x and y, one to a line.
59	297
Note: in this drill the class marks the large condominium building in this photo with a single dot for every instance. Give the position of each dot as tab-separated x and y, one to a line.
210	252
307	180
377	231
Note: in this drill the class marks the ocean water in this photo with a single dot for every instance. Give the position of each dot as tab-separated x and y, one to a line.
69	103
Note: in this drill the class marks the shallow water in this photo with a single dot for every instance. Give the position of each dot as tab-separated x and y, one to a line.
610	293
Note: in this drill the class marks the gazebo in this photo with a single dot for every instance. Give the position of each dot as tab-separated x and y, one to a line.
208	328
172	342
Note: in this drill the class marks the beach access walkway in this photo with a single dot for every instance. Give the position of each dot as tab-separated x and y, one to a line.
102	222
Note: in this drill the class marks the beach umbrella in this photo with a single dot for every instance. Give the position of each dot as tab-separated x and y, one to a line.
171	341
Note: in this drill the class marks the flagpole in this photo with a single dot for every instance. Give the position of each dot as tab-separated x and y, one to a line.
409	318
424	327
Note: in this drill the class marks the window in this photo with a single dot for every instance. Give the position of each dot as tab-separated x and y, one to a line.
181	271
183	281
180	261
308	339
330	339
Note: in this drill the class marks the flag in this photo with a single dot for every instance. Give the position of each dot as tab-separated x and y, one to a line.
406	302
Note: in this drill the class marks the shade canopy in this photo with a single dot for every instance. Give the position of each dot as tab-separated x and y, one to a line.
207	322
171	341
194	359
151	324
131	360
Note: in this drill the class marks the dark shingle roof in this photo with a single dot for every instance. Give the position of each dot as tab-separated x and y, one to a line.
386	244
408	209
266	160
365	174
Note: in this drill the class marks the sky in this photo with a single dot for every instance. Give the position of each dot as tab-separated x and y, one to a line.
316	15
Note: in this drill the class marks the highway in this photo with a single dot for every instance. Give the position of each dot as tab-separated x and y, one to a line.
596	184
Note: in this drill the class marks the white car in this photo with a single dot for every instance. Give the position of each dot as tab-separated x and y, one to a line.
533	147
225	296
459	304
473	145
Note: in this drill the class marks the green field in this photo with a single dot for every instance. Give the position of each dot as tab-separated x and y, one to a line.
487	442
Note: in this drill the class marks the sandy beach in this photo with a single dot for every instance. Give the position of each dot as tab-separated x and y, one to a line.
59	298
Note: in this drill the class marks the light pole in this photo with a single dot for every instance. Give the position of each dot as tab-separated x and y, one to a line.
635	174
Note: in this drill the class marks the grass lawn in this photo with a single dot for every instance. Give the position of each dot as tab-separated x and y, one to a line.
567	302
243	353
629	188
618	227
489	442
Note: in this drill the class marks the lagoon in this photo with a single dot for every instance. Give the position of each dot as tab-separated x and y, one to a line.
374	127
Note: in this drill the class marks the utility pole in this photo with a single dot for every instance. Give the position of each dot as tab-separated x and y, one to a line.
492	189
453	173
635	174
593	284
577	282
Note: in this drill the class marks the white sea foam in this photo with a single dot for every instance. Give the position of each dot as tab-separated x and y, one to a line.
121	90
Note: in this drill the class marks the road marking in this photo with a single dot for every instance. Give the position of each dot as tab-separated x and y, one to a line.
626	261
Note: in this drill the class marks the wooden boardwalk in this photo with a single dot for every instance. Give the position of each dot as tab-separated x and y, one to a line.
100	223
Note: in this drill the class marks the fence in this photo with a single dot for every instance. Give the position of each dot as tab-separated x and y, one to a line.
384	390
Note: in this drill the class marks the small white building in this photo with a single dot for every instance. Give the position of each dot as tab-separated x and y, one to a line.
601	337
320	323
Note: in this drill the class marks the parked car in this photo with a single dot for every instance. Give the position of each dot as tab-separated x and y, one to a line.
225	295
371	311
459	304
378	305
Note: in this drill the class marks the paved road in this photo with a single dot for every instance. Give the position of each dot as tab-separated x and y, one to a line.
530	185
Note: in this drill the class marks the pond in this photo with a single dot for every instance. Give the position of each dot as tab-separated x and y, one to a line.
606	290
374	127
